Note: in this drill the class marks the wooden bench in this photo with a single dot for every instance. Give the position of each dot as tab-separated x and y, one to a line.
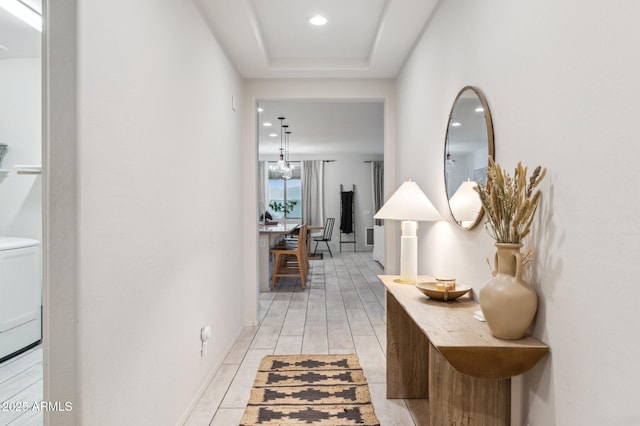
437	350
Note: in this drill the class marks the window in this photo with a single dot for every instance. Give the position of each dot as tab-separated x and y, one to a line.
285	189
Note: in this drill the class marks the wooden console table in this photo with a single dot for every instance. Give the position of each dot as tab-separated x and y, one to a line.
437	350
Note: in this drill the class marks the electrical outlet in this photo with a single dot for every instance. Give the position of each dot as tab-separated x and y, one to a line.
205	335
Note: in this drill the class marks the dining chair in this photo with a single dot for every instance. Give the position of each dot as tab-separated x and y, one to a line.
326	235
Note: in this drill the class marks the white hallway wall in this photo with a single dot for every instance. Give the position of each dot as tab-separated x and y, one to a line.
21	129
561	82
158	156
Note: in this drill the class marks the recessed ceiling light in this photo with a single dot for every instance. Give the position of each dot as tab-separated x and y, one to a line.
266	124
455	124
260	109
479	109
273	135
318	20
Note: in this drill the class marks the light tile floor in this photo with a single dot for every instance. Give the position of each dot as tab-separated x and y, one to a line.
21	384
340	311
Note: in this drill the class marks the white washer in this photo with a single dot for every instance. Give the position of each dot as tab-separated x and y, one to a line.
20	295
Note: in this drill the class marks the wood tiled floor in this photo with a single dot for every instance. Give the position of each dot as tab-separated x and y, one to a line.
21	382
340	311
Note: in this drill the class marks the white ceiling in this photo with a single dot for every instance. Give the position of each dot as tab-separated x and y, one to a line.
323	127
363	39
21	40
267	39
273	39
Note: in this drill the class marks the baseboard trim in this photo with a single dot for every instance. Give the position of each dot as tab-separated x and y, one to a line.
203	387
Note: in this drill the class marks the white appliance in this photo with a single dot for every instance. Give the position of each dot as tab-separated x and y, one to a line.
20	295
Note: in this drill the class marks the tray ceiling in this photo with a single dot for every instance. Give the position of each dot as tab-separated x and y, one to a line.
363	38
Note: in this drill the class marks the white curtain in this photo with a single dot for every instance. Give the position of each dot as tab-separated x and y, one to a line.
263	181
377	188
312	193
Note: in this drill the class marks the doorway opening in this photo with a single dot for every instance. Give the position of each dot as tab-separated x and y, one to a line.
21	215
346	140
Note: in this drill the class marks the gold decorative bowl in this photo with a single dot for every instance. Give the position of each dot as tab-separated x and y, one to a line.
430	288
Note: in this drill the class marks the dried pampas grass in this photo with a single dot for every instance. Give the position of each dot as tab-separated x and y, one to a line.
510	203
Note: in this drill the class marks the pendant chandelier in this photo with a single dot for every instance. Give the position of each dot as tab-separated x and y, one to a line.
287	172
281	165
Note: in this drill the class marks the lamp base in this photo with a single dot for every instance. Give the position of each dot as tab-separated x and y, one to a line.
409	252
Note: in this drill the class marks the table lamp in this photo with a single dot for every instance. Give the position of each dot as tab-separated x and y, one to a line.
408	204
465	204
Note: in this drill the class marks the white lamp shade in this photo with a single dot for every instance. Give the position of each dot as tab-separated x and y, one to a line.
465	204
408	203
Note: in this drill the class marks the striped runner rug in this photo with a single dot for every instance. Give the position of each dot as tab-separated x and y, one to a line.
325	390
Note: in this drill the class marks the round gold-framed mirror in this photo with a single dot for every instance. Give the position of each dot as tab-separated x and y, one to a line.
468	145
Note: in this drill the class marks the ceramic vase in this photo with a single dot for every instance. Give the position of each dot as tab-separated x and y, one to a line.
507	301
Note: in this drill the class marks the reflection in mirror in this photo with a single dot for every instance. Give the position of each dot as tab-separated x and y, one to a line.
468	145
